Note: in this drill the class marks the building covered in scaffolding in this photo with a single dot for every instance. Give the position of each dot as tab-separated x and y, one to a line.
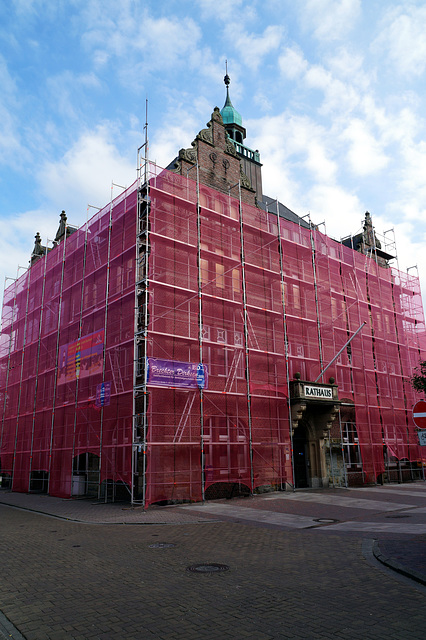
197	339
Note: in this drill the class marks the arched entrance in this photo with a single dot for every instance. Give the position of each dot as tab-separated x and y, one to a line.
309	442
314	408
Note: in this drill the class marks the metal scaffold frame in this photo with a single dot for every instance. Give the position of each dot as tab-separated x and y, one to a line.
37	365
200	333
21	374
107	289
58	332
142	246
78	354
246	335
9	351
286	345
223	287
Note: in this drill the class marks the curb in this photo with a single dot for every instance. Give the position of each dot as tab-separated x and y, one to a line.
396	566
8	631
196	520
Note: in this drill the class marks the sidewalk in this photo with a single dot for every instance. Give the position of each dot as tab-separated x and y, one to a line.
406	555
92	511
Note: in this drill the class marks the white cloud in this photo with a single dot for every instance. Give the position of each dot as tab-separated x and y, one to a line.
223	9
340	209
365	153
318	161
68	89
84	174
292	63
414	172
350	67
263	102
402	40
330	19
138	44
409	244
11	152
167	142
339	96
294	151
251	47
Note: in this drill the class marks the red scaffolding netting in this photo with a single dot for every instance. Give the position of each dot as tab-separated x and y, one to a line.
67	342
236	307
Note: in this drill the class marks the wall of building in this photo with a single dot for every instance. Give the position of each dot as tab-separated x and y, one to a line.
68	329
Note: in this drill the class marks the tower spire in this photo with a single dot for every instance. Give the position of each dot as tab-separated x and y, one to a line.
229	114
227	79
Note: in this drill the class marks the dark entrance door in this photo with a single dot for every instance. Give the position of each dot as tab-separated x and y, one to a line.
300	450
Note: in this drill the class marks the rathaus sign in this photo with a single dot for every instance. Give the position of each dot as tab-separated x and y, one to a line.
318	392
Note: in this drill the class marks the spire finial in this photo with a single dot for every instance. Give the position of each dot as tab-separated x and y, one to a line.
227	79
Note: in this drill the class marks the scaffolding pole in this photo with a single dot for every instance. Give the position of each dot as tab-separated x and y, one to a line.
78	346
15	280
366	265
21	373
286	346
343	451
373	249
314	270
141	325
37	367
200	334
107	285
246	335
58	332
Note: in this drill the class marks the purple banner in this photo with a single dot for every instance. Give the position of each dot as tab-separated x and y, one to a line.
170	373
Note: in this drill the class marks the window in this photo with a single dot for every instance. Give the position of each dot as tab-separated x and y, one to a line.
236	281
296	297
220	276
204	268
350	444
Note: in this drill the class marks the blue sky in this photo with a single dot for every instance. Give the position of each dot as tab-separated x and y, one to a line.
332	93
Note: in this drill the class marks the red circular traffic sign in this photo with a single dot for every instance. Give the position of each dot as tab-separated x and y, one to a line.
419	414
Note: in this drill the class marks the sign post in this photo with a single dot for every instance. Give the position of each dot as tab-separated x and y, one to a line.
422	438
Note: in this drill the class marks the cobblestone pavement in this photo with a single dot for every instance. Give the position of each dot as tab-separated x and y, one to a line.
65	579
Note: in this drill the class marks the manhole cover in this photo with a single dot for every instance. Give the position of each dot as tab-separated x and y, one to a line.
208	568
398	515
161	545
326	520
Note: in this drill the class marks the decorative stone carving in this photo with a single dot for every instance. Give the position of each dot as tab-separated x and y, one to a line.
190	155
297	411
245	182
62	227
206	134
324	421
216	115
230	148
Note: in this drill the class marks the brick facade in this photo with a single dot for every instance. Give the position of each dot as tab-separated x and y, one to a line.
218	162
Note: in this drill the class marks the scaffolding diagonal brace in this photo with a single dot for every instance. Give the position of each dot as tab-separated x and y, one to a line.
342	349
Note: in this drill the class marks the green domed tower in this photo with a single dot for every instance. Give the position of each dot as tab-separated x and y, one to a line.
250	160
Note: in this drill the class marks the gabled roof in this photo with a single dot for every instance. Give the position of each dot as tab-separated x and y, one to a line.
271	204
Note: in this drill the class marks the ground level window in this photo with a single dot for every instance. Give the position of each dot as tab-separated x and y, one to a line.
350	444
